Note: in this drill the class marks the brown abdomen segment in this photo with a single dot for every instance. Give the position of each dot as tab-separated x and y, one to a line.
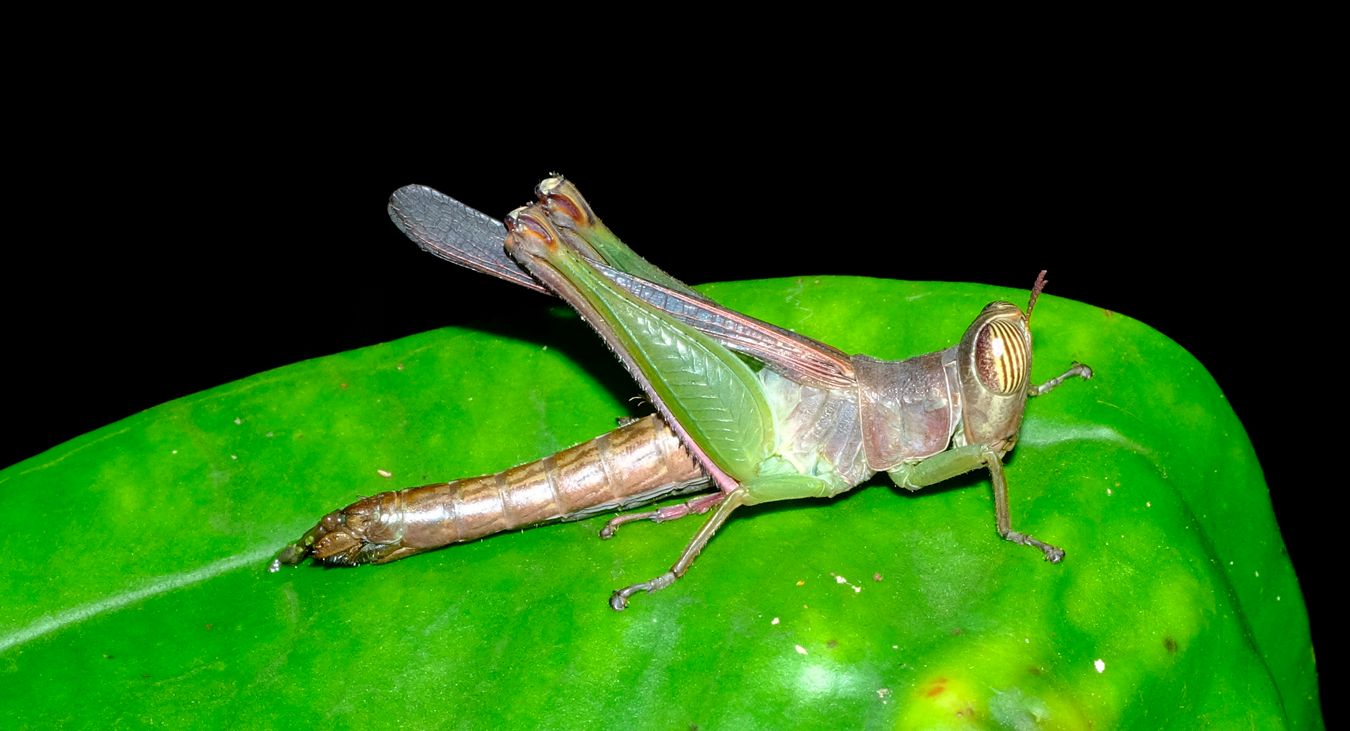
635	464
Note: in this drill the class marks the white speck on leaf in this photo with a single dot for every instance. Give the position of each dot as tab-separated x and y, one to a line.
775	621
801	650
884	694
238	420
841	580
234	456
385	473
1148	504
1100	664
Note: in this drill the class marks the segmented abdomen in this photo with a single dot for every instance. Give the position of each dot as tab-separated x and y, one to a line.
635	464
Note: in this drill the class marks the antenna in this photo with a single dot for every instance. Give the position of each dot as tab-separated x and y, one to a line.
1036	292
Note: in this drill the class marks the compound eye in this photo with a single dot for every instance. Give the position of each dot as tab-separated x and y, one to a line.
1001	357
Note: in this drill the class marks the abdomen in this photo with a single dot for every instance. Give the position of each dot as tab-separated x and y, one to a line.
636	464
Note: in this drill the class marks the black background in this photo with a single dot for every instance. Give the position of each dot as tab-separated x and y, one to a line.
159	256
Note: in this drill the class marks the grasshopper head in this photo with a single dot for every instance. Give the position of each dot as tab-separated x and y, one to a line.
995	361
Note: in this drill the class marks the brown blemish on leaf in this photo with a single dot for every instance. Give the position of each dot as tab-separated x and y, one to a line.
1171	645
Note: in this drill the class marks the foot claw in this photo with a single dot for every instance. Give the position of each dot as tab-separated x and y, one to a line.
619	599
1053	554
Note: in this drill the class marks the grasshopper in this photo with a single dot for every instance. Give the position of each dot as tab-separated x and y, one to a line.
755	411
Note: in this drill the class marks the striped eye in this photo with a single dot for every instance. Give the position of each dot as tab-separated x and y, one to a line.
1001	357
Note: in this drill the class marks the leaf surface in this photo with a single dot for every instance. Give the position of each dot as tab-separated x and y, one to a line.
136	591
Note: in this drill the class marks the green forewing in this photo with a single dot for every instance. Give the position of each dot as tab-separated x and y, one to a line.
708	389
136	591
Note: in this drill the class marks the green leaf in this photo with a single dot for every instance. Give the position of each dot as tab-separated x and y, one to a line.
136	590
